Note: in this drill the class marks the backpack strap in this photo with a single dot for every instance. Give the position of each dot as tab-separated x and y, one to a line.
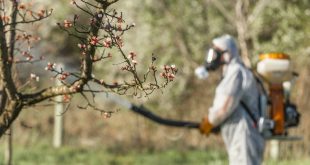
247	109
244	105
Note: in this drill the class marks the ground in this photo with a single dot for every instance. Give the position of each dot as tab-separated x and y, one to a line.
44	154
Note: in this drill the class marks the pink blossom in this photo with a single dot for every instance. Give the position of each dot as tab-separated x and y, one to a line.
171	76
135	62
94	40
67	24
132	55
50	66
106	115
34	77
107	43
82	46
66	98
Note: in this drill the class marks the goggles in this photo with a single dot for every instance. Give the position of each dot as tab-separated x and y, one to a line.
213	59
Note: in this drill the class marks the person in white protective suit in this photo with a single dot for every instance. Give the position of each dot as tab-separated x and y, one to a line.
244	144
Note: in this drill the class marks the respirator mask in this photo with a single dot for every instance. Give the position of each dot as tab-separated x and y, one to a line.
212	62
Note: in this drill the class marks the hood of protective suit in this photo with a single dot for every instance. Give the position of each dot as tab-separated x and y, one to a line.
227	43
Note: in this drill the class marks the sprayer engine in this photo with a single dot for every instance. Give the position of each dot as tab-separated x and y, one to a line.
280	114
291	115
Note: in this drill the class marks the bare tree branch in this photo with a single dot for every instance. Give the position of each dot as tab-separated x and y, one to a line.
5	65
258	9
223	10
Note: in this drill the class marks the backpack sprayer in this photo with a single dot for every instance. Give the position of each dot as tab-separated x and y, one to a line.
278	114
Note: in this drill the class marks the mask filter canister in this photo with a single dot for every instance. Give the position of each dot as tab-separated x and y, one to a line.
201	72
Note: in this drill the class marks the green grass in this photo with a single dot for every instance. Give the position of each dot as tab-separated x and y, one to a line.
289	162
46	155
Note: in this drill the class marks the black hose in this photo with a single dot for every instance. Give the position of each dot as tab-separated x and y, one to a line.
174	123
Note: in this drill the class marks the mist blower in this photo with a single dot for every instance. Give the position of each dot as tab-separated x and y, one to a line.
278	114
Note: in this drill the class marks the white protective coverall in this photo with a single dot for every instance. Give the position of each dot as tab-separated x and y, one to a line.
243	142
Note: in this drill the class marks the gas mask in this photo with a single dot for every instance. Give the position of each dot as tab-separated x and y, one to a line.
212	62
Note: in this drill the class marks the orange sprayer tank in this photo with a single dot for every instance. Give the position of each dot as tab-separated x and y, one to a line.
274	68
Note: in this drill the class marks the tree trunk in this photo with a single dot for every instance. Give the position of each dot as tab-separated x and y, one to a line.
8	151
242	30
12	110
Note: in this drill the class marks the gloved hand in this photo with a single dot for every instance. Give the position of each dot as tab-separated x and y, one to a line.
205	126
